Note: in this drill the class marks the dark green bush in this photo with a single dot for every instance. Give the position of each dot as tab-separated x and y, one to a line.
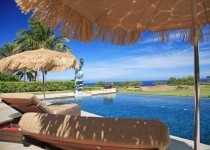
159	83
117	84
6	87
181	81
132	83
8	77
100	83
91	88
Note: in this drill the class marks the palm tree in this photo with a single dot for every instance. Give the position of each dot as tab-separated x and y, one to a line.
25	75
39	36
6	50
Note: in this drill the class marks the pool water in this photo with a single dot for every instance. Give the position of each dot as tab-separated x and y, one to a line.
176	112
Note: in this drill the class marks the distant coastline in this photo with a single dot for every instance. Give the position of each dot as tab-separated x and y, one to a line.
145	83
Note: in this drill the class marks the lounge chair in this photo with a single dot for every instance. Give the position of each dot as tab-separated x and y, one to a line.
92	133
30	103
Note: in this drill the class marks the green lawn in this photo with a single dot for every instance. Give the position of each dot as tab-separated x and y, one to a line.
204	91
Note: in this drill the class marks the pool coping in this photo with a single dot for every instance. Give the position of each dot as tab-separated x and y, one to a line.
73	95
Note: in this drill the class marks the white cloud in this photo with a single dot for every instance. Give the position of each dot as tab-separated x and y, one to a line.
148	62
159	66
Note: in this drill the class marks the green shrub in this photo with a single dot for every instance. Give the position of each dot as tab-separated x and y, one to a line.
159	83
8	77
6	87
91	88
181	81
100	83
117	84
132	84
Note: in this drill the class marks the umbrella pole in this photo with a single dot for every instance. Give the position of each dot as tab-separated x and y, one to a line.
197	79
43	75
197	94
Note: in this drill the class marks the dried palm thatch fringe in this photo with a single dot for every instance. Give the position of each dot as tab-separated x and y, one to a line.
187	34
74	25
78	27
52	12
164	36
117	36
184	35
41	59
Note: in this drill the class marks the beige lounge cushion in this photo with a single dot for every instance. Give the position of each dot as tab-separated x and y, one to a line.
25	102
40	104
17	95
65	109
20	99
68	132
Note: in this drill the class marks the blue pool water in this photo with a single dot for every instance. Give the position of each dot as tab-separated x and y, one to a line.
176	112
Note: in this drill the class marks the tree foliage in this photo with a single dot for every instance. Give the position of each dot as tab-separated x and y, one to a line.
8	77
132	84
28	75
6	50
181	81
171	80
36	86
159	83
117	84
39	36
100	83
120	84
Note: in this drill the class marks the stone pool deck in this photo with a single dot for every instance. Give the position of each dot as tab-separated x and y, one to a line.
73	95
6	113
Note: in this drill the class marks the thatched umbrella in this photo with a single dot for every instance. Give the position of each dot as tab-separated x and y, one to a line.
41	59
123	21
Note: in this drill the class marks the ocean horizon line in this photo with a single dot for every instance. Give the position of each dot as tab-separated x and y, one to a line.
145	82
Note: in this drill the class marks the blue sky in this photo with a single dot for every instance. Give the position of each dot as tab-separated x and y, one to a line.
147	60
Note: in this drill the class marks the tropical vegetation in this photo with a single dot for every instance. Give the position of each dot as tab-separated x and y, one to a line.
120	84
36	86
6	50
37	36
177	81
181	81
15	86
8	77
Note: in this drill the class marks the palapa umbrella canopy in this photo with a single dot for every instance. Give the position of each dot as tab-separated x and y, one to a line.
41	59
117	21
123	21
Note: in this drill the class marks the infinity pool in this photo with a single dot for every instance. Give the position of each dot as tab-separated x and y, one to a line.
176	112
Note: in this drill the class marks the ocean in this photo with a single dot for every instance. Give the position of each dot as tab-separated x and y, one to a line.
145	83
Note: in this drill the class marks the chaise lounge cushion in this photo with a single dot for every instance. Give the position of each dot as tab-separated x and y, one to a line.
25	102
92	133
55	109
